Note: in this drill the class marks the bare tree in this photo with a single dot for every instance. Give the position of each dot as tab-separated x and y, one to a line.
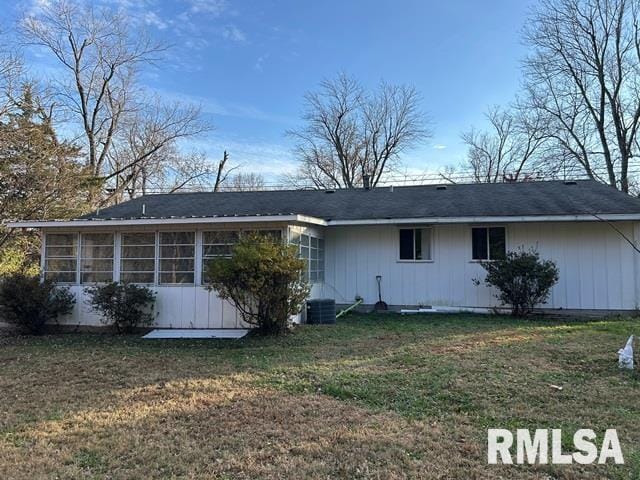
245	182
582	76
11	75
511	150
221	172
146	147
125	133
350	134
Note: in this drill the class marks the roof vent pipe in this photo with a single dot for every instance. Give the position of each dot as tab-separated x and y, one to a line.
391	188
365	182
144	209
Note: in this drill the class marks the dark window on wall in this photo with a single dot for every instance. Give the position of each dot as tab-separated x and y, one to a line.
497	243
488	243
415	244
406	244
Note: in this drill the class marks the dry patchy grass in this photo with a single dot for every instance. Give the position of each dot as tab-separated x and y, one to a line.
373	397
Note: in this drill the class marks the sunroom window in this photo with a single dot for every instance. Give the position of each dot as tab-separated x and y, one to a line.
488	243
415	244
177	257
138	254
218	244
61	257
96	259
311	250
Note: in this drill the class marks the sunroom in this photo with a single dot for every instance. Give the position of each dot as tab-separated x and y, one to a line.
169	257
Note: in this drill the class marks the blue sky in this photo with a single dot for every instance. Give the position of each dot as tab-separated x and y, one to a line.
249	64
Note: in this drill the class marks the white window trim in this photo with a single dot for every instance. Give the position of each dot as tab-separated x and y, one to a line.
506	241
432	249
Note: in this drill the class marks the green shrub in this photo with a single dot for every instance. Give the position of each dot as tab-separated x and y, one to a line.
125	306
29	303
263	279
523	280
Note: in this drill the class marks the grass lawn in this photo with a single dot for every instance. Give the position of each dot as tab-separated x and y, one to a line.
372	397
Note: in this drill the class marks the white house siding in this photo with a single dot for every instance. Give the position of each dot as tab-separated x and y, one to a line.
176	307
598	268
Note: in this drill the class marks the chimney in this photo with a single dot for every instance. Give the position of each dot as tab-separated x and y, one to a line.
365	182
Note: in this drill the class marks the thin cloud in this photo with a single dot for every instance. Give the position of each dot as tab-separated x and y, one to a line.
154	20
259	65
234	34
439	146
214	107
272	160
213	8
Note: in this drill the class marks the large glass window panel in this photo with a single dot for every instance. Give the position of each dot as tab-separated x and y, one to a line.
96	258
138	253
406	244
423	244
217	244
497	243
311	251
61	257
177	257
488	243
479	244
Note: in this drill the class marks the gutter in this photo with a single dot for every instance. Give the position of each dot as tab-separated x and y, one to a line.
165	221
325	223
615	217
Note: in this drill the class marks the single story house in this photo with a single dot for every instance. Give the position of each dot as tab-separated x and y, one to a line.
425	242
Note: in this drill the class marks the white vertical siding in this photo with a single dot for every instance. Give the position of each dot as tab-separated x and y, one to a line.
175	307
597	266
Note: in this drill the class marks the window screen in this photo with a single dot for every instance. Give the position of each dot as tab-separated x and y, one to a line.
61	257
96	262
311	250
177	257
138	254
218	244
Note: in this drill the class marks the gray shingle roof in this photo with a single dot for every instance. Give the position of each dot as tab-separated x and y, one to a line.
428	201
